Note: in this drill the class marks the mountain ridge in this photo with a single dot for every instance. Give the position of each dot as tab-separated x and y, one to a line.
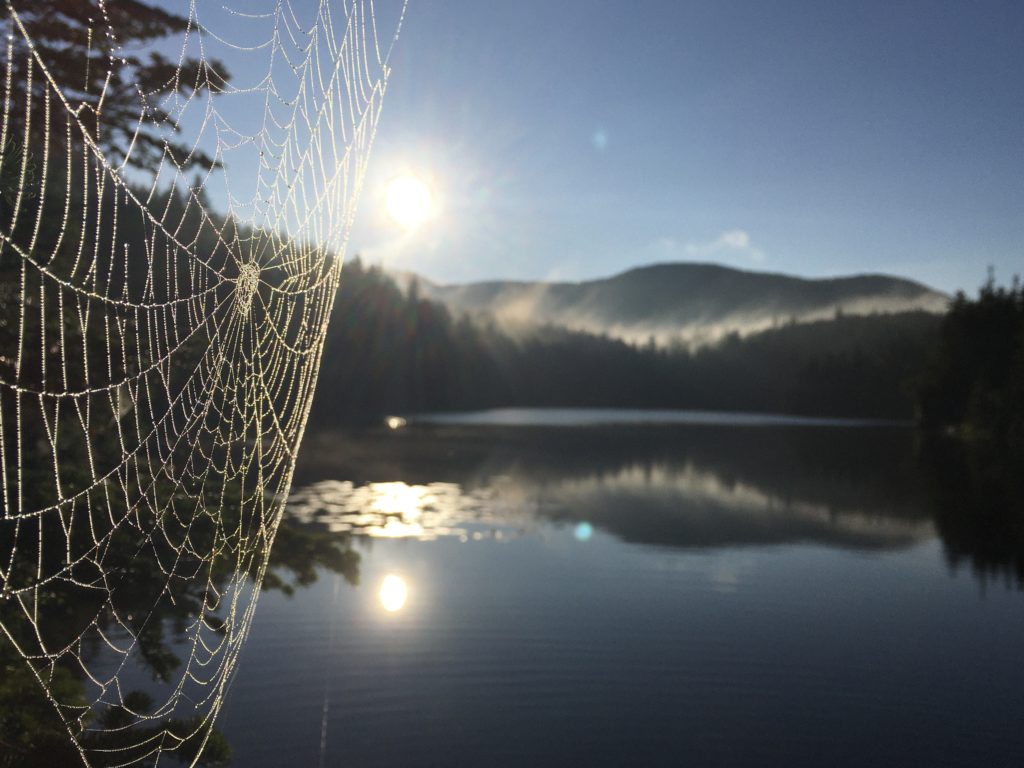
693	303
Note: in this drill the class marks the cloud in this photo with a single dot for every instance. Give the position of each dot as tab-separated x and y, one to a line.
732	243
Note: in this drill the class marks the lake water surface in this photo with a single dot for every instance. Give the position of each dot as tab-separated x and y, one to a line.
764	593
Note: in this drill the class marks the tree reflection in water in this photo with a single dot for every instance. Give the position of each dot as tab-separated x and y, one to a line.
683	487
31	733
978	504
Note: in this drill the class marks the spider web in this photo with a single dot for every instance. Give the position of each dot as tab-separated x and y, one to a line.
158	358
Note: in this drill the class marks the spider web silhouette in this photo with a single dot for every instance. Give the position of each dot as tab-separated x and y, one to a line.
157	357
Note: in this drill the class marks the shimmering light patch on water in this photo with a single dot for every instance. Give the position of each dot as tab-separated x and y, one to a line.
393	593
424	512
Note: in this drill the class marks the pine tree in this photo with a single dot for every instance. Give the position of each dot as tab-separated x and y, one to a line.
120	96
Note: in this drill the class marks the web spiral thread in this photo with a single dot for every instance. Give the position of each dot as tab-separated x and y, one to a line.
158	357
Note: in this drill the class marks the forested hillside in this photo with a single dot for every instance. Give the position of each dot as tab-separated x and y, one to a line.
394	352
691	303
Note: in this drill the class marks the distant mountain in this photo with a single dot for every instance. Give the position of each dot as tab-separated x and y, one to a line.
693	303
394	352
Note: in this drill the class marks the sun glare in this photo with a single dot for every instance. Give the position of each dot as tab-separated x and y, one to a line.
409	202
393	593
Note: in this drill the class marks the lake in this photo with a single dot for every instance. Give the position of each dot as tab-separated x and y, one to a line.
607	594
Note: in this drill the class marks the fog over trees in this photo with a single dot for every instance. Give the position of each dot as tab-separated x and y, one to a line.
389	351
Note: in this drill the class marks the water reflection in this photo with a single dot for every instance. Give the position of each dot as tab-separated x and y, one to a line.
393	593
690	488
977	498
397	510
742	581
687	489
659	502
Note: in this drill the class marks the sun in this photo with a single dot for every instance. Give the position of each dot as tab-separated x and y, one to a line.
409	202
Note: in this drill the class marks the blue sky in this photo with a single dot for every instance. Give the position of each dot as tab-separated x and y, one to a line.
573	139
578	138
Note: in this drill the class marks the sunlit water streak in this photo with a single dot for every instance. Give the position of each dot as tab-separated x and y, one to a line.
397	510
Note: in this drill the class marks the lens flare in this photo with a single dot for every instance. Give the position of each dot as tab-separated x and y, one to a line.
583	531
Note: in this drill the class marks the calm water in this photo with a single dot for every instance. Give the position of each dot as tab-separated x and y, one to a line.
592	417
636	595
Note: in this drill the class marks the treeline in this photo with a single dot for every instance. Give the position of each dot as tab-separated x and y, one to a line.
975	384
394	352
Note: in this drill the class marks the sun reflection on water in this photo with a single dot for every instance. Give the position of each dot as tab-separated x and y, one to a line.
398	510
393	593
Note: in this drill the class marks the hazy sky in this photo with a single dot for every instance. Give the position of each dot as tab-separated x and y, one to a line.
578	138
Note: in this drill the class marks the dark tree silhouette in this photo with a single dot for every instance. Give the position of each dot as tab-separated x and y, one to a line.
976	382
118	94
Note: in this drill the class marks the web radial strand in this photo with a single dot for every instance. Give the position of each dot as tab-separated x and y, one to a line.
174	207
